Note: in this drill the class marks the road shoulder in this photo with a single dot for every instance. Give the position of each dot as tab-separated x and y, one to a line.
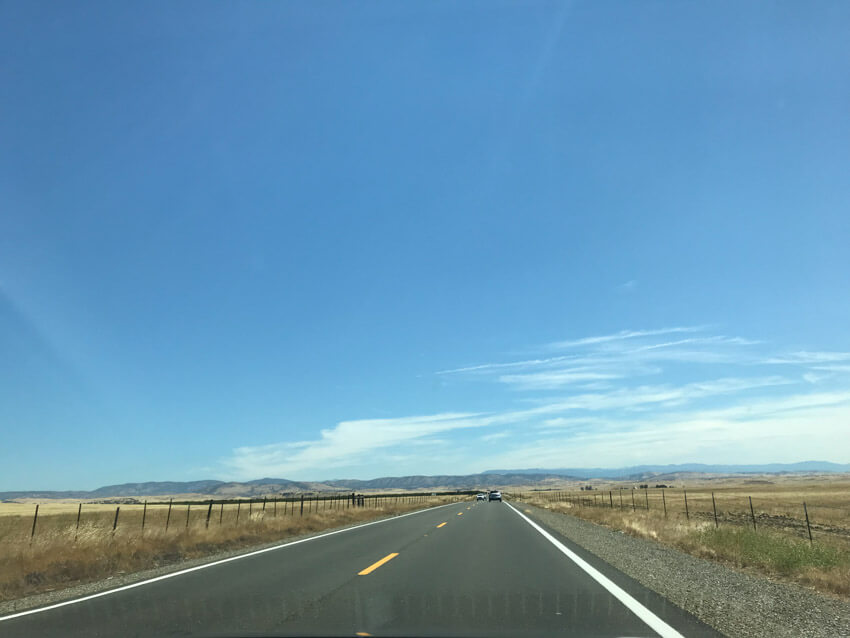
736	604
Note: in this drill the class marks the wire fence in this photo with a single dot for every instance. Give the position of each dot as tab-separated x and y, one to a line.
172	516
759	511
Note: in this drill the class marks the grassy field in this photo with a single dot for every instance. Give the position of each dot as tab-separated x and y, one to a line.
777	545
61	554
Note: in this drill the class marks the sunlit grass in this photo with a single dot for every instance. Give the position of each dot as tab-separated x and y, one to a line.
60	554
823	564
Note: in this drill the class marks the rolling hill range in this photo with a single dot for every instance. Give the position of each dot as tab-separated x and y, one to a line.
264	486
490	479
637	472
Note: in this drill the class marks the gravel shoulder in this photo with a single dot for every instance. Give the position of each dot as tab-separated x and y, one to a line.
738	605
113	582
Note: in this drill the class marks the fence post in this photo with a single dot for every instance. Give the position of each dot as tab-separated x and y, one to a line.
687	514
144	515
274	508
188	507
250	508
115	522
752	512
220	512
714	507
264	503
168	518
77	529
634	509
808	527
621	498
302	505
238	509
34	519
664	502
610	499
646	494
209	511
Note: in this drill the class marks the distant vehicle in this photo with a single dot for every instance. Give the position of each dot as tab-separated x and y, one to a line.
480	497
495	495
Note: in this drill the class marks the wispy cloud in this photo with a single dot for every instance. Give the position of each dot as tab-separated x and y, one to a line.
511	364
555	379
620	336
345	445
604	406
796	358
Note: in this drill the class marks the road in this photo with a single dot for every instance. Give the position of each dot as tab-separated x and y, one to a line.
467	569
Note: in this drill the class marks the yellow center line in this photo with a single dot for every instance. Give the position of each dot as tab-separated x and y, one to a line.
460	513
375	566
362	633
440	525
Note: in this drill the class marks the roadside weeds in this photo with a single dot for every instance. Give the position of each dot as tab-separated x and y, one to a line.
62	556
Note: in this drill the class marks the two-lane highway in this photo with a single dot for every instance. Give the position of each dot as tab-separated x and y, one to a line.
481	569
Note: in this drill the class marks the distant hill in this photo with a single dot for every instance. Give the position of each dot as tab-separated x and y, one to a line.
646	471
267	486
489	479
470	481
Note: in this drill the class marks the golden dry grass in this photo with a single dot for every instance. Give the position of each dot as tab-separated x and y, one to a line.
778	546
60	554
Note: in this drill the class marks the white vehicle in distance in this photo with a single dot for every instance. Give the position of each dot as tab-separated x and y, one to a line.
495	495
481	497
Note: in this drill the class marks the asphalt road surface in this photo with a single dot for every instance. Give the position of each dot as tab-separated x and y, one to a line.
468	569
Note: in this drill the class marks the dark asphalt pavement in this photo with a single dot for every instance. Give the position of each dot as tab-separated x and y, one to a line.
486	572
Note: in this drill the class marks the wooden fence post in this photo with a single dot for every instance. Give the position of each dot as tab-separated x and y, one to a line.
752	512
714	507
302	506
633	501
188	507
209	512
220	512
168	518
646	494
664	501
115	522
144	515
238	508
77	529
34	519
687	514
808	527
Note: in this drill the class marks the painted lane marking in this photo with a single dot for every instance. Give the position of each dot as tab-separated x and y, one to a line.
440	525
460	513
654	622
213	564
374	566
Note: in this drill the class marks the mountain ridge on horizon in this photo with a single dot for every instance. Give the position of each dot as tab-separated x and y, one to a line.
637	471
259	487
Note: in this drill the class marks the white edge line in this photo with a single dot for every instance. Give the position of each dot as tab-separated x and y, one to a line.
213	564
655	623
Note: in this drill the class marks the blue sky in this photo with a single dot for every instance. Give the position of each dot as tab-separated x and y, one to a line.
328	240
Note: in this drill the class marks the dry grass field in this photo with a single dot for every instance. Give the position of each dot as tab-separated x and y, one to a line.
772	538
61	554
